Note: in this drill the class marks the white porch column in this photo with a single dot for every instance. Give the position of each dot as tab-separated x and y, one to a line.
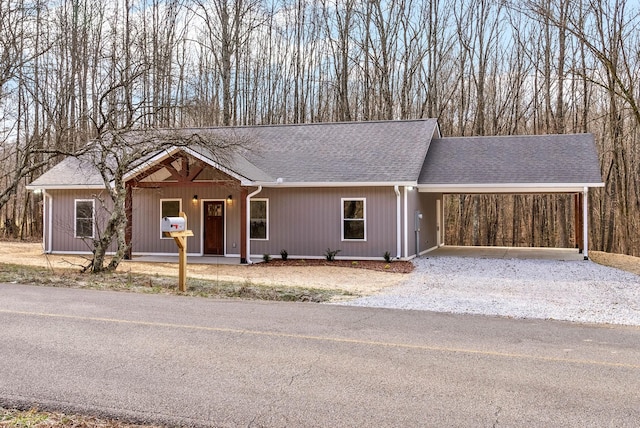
585	227
248	223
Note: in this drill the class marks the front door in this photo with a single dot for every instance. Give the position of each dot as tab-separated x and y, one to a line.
214	228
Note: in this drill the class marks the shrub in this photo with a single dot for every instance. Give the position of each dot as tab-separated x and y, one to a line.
330	254
284	254
387	257
266	258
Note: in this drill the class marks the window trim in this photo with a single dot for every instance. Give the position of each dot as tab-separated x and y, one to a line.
160	223
364	218
266	200
93	218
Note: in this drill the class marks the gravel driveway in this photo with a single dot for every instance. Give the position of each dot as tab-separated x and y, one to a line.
580	291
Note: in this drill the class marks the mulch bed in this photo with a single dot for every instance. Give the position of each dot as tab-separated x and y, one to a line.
394	267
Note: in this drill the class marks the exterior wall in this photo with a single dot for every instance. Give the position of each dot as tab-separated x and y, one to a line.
307	221
426	204
429	223
59	233
304	221
145	233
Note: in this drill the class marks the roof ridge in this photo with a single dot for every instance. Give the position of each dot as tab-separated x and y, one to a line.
305	124
513	136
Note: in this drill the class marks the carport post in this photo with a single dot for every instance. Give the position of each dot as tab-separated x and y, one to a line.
585	228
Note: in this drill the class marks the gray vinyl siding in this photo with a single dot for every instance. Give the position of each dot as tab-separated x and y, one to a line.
424	203
413	205
62	226
304	221
429	226
307	221
145	233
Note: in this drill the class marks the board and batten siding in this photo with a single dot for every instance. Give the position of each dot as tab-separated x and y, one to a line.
145	233
62	224
307	221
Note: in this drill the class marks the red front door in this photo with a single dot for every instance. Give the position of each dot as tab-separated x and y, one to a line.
214	228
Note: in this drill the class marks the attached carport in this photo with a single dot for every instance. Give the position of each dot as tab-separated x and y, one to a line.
539	164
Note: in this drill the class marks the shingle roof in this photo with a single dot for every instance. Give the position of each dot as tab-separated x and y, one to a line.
345	152
387	151
71	172
381	152
537	159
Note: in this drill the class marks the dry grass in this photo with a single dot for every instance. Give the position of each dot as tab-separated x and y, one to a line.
157	284
618	261
33	418
336	276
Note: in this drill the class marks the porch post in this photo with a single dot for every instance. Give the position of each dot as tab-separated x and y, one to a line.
243	225
128	208
585	227
576	219
579	223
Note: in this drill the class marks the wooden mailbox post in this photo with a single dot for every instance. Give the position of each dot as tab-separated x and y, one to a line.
178	231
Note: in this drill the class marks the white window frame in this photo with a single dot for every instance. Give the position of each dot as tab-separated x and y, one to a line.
160	222
364	218
75	218
266	200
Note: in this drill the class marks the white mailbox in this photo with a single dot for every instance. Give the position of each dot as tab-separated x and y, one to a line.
174	224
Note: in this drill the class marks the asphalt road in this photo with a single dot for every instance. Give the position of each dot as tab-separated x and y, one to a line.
185	361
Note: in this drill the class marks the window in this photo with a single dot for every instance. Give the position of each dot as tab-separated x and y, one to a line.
353	220
169	208
84	220
259	219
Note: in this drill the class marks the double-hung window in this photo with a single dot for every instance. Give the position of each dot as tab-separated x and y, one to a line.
169	208
259	219
84	218
354	225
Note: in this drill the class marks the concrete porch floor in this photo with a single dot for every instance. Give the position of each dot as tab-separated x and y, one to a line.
564	254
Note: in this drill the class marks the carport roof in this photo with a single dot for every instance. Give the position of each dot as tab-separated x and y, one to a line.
537	163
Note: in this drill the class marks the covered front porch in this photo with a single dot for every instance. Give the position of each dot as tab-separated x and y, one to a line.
214	200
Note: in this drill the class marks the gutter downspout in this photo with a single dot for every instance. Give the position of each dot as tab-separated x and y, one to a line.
396	188
248	225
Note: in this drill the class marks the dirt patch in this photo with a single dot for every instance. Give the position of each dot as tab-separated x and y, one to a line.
618	261
336	276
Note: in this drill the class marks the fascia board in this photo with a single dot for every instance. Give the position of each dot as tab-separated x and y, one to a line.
150	162
507	188
334	184
214	164
169	152
66	187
